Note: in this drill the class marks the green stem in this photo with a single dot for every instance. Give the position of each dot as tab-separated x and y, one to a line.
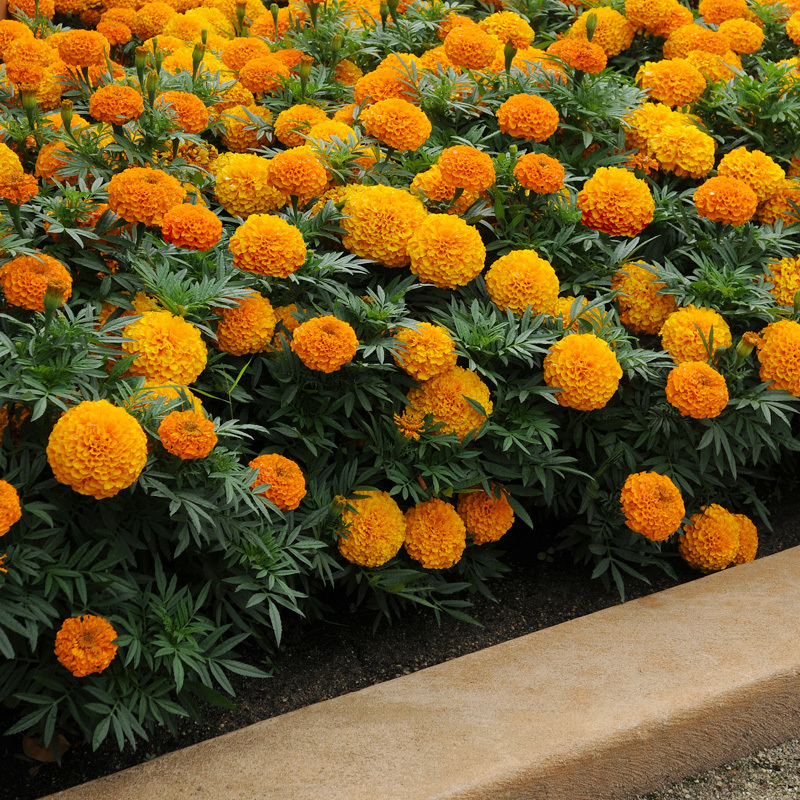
14	213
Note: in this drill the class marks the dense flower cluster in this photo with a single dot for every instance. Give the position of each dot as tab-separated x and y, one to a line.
697	390
374	531
192	227
267	245
397	123
539	173
26	279
435	534
641	307
726	200
652	505
85	644
248	327
779	356
528	116
142	194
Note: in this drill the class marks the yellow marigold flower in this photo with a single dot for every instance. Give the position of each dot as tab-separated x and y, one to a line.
681	338
509	28
748	540
564	310
744	36
287	484
426	350
299	173
264	26
539	173
785	275
755	168
485	517
435	534
380	221
452	20
793	27
46	8
779	356
444	396
11	31
647	121
97	448
522	279
686	151
10	509
397	123
347	73
243	186
193	227
673	82
25	280
528	117
470	47
652	505
580	54
116	104
115	31
151	19
779	206
9	161
710	541
658	17
641	308
326	130
715	68
79	48
380	84
726	200
187	434
151	392
169	349
465	167
188	110
268	245
237	52
285	316
85	644
142	194
716	11
697	390
430	186
586	370
264	74
247	327
613	32
325	343
615	201
374	532
241	134
695	37
446	251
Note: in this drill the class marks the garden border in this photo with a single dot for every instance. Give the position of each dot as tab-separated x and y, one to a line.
608	705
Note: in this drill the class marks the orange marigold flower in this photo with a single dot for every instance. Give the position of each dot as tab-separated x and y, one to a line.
641	308
452	20
325	343
264	26
9	161
151	19
781	205
142	194
11	31
26	279
193	227
658	17
10	508
287	484
380	221
673	82
646	122
755	168
235	95
715	68
186	109
237	52
169	349
748	540
716	11
681	333
509	28
695	37
470	47
285	316
374	531
585	369
792	27
522	279
465	167
241	133
425	350
779	356
445	395
745	36
80	48
248	327
347	73
293	122
18	189
726	200
613	32
299	173
487	518
697	390
47	8
243	186
580	54
97	448
528	116
539	173
785	277
268	245
686	151
397	123
431	187
116	104
85	644
263	74
187	434
710	541
652	505
435	534
380	84
446	251
410	423
115	31
615	201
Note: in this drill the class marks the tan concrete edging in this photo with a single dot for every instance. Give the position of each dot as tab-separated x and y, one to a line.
605	706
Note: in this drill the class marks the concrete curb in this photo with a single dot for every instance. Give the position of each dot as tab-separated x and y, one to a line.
605	706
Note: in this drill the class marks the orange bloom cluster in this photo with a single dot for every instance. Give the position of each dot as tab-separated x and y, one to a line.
397	123
715	68
781	205
426	350
745	36
726	200
188	110
695	37
652	505
522	279
528	116
613	32
85	644
431	187
641	308
779	356
116	104
263	75
248	327
192	227
755	168
187	434
539	173
243	185
142	194
325	343
485	517
10	508
374	531
446	251
615	201
435	533
241	133
268	245
681	333
287	484
380	84
674	82
465	167
580	54
237	52
710	541
26	279
470	47
80	48
657	17
697	390
785	277
299	173
748	541
18	189
716	11
685	151
508	28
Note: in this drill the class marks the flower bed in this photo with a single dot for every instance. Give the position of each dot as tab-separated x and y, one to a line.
328	295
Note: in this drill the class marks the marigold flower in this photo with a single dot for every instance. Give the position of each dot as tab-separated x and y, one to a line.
781	205
446	251
673	82
347	73
715	68
142	194
745	36
748	540
426	350
785	277
652	505
380	221
239	51
486	518
435	534
695	37
248	327
9	161
658	17
431	187
192	227
287	484
285	316
10	508
84	644
97	448
681	333
268	245
509	28
264	26
186	109
329	129
325	343
755	168
187	434
585	369
444	397
522	279
169	349
528	116
397	123
298	172
374	532
293	122
697	390
115	31
241	134
539	173
612	32
25	280
686	151
380	84
710	541
46	8
151	392
264	74
792	27
235	95
716	11
465	167
643	124
641	308
726	200
243	186
615	201
80	48
779	356
470	47
580	54
116	104
18	189
151	19
11	31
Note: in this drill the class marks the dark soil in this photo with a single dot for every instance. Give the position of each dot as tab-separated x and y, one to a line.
321	660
